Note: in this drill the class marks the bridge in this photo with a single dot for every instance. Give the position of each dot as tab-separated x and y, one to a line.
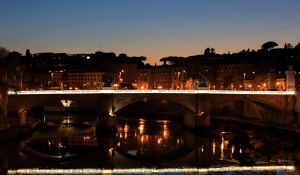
276	106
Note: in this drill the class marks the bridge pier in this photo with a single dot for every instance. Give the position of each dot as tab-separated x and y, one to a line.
3	109
297	107
202	118
22	117
290	110
17	118
197	121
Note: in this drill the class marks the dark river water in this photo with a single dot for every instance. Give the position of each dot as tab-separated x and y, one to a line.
71	141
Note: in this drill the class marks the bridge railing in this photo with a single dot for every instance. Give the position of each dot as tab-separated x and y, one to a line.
45	92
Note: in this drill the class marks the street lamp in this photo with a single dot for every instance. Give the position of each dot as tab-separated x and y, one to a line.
120	76
244	80
178	80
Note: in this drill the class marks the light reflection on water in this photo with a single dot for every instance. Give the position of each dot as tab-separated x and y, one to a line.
148	139
146	143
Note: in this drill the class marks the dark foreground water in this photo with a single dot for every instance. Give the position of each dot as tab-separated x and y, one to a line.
73	142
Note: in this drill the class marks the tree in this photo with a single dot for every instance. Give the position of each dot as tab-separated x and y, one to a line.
107	80
138	60
212	51
3	52
209	52
288	46
172	60
297	46
269	45
28	54
165	60
123	56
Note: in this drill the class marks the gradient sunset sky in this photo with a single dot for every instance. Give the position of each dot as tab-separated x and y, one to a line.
151	28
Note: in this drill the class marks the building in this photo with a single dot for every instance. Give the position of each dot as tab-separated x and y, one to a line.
127	75
83	80
161	77
232	76
74	79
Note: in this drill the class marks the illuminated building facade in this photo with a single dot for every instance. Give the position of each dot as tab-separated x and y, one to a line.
128	73
161	77
73	80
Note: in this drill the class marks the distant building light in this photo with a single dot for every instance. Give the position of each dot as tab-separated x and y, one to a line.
66	103
88	57
264	84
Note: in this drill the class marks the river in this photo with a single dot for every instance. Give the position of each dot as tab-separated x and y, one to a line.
74	142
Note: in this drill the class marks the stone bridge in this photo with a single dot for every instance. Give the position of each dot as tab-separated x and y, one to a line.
194	103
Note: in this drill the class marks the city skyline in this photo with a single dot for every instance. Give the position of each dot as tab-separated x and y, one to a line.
154	29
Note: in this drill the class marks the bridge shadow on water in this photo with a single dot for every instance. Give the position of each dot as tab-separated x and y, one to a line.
149	134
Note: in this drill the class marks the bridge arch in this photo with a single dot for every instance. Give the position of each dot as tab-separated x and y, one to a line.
120	102
264	112
209	103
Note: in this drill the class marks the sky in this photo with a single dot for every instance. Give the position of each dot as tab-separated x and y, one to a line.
151	28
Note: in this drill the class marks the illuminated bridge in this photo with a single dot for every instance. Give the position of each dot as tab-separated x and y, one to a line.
277	106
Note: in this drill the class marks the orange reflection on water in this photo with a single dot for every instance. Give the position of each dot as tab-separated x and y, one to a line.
126	128
222	149
214	147
148	138
141	126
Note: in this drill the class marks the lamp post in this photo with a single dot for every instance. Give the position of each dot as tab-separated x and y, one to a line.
244	81
120	76
178	85
21	83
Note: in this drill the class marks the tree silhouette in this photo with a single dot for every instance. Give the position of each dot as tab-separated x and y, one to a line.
28	54
107	80
122	57
3	52
209	52
269	45
137	60
172	60
212	51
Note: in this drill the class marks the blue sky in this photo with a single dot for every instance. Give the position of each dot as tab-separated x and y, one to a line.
152	28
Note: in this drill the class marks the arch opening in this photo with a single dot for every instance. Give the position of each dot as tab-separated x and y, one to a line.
154	107
247	109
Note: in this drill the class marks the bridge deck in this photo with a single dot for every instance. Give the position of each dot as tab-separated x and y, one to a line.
156	171
233	92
